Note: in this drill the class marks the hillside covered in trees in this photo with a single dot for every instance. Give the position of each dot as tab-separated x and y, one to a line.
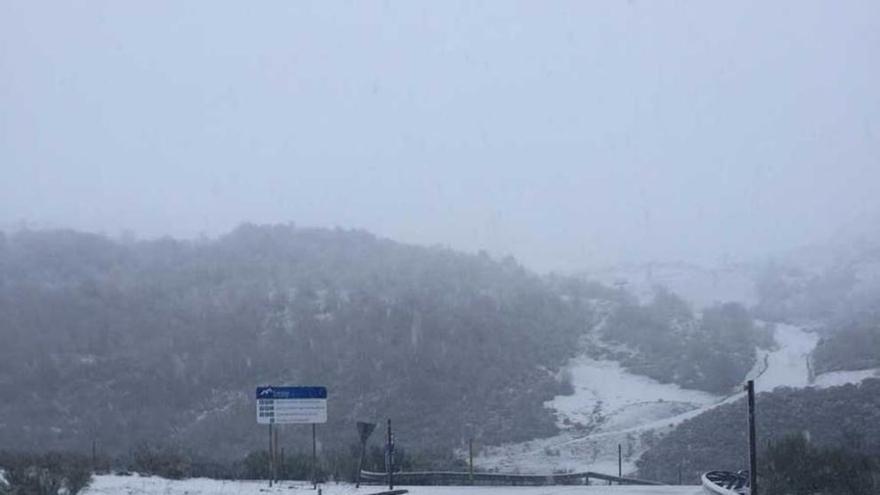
129	343
845	417
666	340
164	341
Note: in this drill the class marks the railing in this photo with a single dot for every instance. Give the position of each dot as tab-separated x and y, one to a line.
455	478
726	483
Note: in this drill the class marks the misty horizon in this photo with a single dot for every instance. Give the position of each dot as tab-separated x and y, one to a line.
569	135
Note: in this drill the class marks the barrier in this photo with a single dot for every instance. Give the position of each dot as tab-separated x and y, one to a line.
454	478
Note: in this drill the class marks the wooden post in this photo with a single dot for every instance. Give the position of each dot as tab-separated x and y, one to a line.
471	459
753	456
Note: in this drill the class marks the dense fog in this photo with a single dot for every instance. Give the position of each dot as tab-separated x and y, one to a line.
551	241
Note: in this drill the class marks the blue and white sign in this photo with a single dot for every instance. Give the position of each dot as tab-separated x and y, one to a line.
291	405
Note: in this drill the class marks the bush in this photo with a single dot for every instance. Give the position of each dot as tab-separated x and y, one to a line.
47	474
166	462
793	466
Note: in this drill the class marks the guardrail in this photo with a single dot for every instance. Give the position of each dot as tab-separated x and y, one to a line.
725	483
455	478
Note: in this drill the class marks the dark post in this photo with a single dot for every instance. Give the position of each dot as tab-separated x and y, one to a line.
314	456
471	459
679	471
619	462
389	456
270	460
275	455
283	466
753	457
94	456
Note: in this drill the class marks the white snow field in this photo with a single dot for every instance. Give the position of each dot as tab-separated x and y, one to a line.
138	485
610	406
787	365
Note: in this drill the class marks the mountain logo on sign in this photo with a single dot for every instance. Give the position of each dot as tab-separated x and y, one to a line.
266	391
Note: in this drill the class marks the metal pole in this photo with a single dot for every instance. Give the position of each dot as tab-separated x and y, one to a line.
753	456
275	455
270	461
619	461
314	456
389	452
471	459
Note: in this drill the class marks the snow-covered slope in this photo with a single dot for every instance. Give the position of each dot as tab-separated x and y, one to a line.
137	485
789	364
611	406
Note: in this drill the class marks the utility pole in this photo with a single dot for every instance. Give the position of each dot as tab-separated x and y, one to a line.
753	456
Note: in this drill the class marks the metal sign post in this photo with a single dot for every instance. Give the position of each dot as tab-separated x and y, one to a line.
291	405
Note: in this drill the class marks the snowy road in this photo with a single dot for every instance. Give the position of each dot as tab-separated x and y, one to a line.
136	485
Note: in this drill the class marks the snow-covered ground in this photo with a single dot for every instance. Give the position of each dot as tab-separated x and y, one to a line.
137	485
611	406
837	378
787	365
608	398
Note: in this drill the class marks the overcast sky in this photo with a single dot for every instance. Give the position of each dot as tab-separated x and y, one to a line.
569	134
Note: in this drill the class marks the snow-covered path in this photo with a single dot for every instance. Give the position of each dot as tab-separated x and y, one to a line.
788	364
137	485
